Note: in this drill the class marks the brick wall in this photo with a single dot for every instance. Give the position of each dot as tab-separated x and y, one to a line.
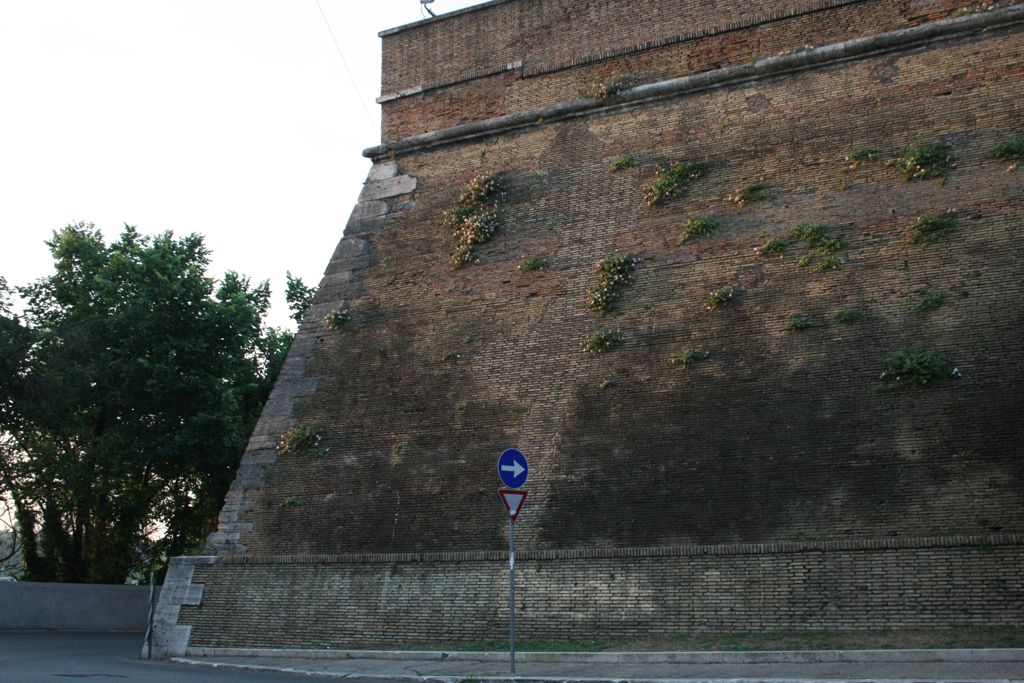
510	60
866	506
418	602
779	434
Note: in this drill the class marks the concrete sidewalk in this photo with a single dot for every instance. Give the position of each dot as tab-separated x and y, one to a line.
920	666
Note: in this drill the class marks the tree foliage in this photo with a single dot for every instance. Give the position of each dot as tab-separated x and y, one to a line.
298	296
131	383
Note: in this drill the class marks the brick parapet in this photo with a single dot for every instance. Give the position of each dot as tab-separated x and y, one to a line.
768	67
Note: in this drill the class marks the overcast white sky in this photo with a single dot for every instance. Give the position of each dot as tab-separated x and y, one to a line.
234	119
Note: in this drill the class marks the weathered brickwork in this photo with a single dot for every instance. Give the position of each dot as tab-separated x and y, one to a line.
779	434
858	505
482	81
585	595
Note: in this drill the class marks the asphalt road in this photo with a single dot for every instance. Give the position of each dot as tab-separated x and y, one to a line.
56	657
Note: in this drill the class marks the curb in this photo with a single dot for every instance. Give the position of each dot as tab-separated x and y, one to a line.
963	656
557	679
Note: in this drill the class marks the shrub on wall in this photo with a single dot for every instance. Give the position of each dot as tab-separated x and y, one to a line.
923	161
299	440
614	273
754	192
671	180
602	341
916	367
689	357
335	319
474	218
700	227
931	228
817	239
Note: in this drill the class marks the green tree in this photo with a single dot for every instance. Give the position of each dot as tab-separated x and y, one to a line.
298	296
134	391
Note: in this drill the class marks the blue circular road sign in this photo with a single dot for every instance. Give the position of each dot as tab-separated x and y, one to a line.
512	468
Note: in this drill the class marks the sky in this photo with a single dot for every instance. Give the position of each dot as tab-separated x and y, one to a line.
234	119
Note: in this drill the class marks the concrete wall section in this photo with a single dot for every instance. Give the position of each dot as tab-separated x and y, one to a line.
27	606
381	601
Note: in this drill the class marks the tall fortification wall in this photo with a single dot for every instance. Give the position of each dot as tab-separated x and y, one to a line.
779	483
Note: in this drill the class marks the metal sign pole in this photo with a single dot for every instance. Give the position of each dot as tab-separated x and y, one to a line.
512	593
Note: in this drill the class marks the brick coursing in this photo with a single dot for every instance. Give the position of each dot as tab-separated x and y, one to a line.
418	603
542	74
824	499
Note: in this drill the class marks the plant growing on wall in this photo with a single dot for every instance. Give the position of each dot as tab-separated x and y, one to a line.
609	90
531	263
299	440
859	156
602	341
688	357
848	316
335	319
930	300
474	218
797	321
671	180
931	228
623	162
613	272
699	227
923	161
717	298
754	192
772	247
817	239
1010	150
916	367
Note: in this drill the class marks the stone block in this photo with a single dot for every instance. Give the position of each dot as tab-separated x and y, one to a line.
391	187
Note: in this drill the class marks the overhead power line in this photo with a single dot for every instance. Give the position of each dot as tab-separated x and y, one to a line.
344	62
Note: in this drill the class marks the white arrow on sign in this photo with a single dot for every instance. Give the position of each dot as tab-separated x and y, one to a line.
515	468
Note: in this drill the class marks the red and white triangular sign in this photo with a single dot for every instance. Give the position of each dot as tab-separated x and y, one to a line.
513	501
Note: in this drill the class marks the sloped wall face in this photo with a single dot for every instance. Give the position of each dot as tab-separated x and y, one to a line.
778	434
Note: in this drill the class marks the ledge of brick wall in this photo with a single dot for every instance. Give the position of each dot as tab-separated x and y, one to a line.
772	548
763	68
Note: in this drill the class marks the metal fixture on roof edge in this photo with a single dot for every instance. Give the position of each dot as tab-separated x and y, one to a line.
424	4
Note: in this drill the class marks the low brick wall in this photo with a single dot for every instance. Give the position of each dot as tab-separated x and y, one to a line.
27	606
265	601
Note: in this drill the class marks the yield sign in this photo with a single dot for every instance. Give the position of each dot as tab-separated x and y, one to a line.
513	501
